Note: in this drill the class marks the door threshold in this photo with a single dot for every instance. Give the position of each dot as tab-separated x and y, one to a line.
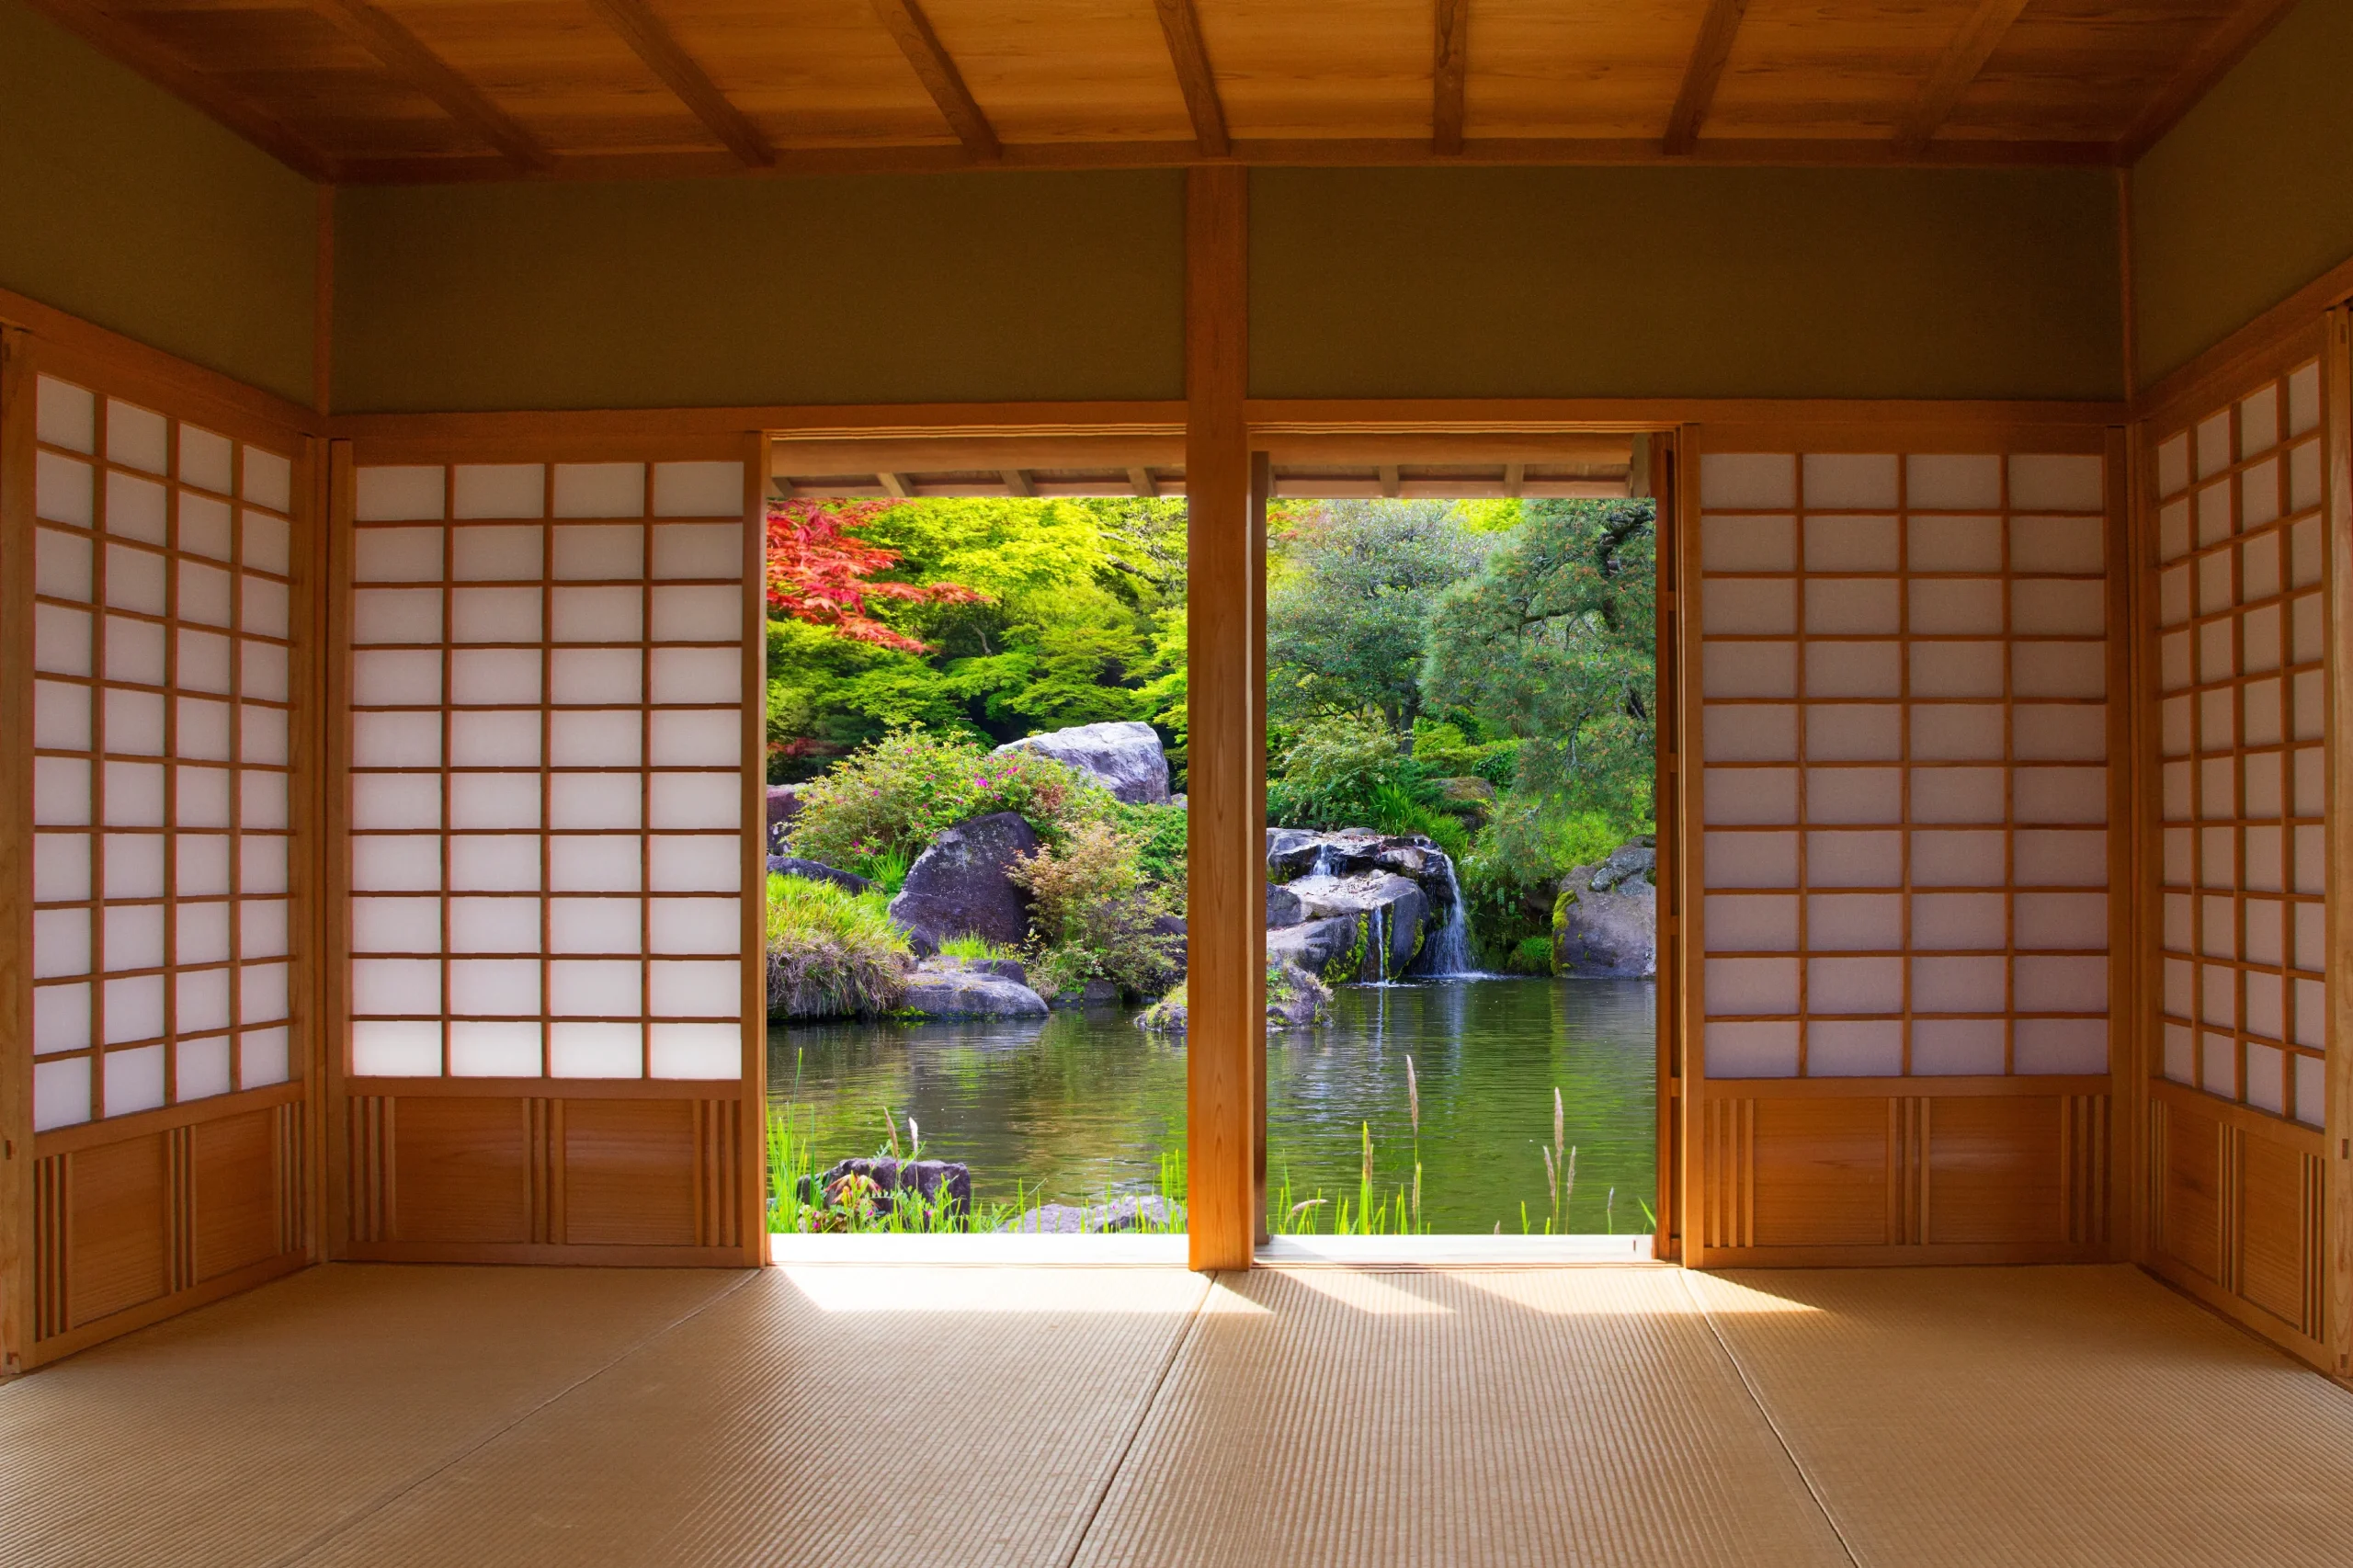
1455	1252
989	1249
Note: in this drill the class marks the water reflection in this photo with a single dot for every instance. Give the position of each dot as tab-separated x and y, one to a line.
1086	1102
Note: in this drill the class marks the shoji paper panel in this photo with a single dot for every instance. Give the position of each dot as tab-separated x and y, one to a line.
546	771
163	924
2236	546
1903	770
2242	737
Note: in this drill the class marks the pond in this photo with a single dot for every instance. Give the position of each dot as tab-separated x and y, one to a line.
1084	1103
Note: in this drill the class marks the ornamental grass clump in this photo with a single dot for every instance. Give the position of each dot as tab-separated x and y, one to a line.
831	953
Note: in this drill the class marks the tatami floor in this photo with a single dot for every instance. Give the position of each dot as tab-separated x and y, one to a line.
941	1417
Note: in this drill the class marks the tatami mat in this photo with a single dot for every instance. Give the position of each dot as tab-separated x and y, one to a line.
929	1417
1585	1415
251	1430
1140	1416
2085	1417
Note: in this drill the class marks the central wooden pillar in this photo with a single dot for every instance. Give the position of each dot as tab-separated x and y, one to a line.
1226	1020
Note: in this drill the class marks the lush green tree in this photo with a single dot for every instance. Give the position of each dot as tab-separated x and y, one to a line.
1352	584
1553	642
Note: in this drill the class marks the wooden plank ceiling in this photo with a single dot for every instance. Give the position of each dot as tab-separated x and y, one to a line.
408	90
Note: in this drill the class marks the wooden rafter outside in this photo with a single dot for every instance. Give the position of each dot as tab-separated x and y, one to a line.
1448	66
1963	58
912	32
2223	48
645	32
1181	25
404	54
1708	56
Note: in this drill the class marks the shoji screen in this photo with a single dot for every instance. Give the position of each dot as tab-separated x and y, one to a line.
554	1028
1903	856
2237	550
154	596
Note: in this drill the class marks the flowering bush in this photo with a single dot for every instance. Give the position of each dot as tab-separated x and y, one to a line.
1094	916
892	798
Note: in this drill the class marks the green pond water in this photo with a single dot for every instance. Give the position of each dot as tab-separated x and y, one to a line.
1080	1105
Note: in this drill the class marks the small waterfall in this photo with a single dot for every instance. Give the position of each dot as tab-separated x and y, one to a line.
1448	950
1379	943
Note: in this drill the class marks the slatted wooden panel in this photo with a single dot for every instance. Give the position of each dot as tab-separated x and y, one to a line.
2239	572
157	585
550	787
1899	841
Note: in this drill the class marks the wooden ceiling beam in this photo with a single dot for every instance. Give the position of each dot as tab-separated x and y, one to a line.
1140	480
1448	66
1018	483
894	486
912	32
645	32
140	49
2208	63
406	56
1706	69
1181	26
1963	58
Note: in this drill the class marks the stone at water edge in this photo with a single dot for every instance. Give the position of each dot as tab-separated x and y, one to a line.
1295	998
1125	757
817	871
924	1177
1604	923
956	988
1094	993
1150	1213
784	804
1334	936
959	886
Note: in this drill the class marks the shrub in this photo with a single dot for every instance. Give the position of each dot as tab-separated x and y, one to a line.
1335	770
830	953
892	798
1533	955
1394	809
1093	914
1160	834
969	946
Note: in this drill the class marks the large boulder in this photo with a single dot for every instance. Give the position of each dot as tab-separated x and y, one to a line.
962	884
1125	758
1355	927
957	988
1605	920
1295	998
818	872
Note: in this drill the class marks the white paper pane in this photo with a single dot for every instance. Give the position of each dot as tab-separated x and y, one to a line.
598	615
1852	860
134	1080
1959	985
1956	606
263	608
698	490
589	739
2060	921
702	863
699	550
494	738
1748	669
62	641
1958	860
1742	607
261	863
1948	922
201	1000
695	1051
2062	482
61	943
683	988
1954	544
203	665
134	864
62	565
395	1049
399	494
495	987
594	863
395	615
596	924
202	1069
698	675
2311	1090
203	731
498	490
1748	544
134	1009
1750	859
1748	480
495	863
698	926
134	724
135	509
268	541
204	528
62	1015
495	801
1852	607
67	415
605	799
1751	922
64	491
698	615
1853	669
598	554
262	1056
1752	1049
200	931
1858	1048
394	863
1745	733
495	615
204	591
61	1093
494	1050
134	937
1858	732
1956	1047
1764	797
1738	986
697	738
261	993
2061	1045
1861	923
1940	482
1855	985
493	925
2061	669
598	676
62	716
398	555
494	676
599	490
696	800
1956	669
395	925
596	1050
595	988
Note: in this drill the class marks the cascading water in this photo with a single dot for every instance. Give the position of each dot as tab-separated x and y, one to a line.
1448	951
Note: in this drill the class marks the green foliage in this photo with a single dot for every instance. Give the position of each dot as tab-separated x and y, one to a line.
831	953
969	946
1336	762
1080	618
1159	832
1553	642
1093	911
1447	753
880	807
1348	599
1532	955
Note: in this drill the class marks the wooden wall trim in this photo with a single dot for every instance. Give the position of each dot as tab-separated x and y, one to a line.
2337	453
17	461
163	1119
2131	663
749	1192
77	349
1225	991
1922	1086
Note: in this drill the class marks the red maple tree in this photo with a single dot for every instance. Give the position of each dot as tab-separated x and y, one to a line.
821	574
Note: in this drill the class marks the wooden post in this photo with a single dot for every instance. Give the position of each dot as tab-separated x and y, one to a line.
751	1172
1689	996
1225	994
17	430
2337	449
1262	490
1655	454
